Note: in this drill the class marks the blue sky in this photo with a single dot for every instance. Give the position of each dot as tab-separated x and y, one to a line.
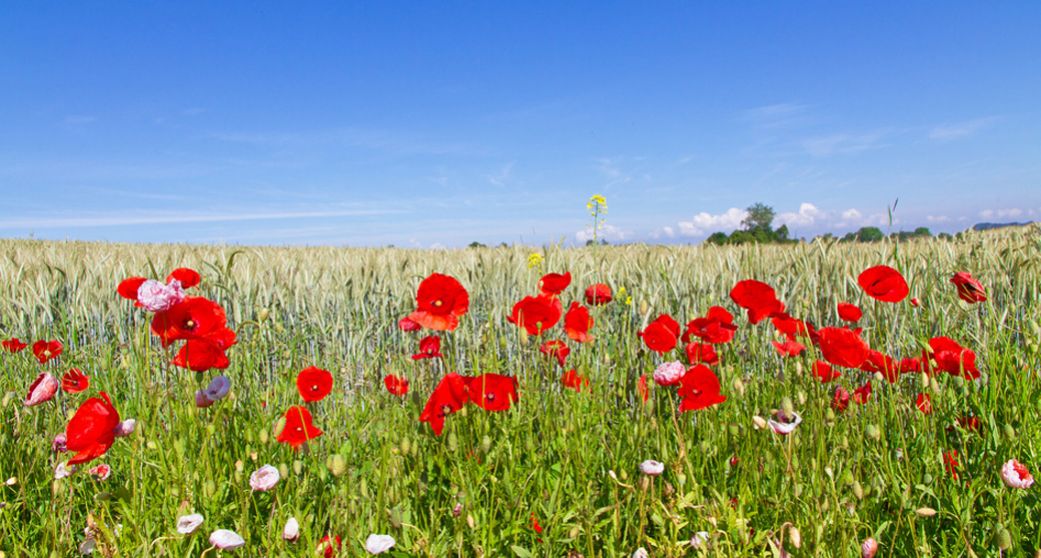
436	124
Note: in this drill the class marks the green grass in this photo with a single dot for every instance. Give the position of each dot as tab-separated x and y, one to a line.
571	459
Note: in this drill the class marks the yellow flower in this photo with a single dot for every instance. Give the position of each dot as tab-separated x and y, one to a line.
535	260
597	204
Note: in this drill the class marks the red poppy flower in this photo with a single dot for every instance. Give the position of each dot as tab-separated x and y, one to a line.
863	393
878	361
92	429
46	350
642	388
915	302
299	427
407	325
314	384
840	399
492	392
883	283
924	403
950	462
440	301
971	423
577	323
969	289
716	327
449	396
954	359
552	284
701	353
597	294
536	314
842	346
200	354
573	380
329	546
792	327
789	348
557	349
758	298
193	317
74	381
910	364
825	373
13	345
396	385
128	287
186	275
535	524
429	347
661	335
849	312
699	388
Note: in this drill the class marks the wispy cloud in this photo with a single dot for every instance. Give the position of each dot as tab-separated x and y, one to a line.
503	177
960	130
844	143
775	116
117	220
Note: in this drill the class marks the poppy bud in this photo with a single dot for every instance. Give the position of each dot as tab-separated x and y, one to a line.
925	380
759	422
739	386
801	396
1010	433
786	406
263	315
858	490
643	307
486	443
283	470
470	521
298	467
291	532
873	432
925	512
406	445
869	548
795	536
1002	538
337	465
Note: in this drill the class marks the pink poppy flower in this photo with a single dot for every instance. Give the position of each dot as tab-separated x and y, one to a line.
1015	475
42	389
264	478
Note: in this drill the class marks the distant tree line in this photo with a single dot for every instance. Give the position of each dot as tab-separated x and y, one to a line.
757	227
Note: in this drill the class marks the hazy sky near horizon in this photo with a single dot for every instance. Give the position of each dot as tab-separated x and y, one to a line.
437	124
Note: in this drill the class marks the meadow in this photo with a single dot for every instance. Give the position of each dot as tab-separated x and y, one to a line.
558	473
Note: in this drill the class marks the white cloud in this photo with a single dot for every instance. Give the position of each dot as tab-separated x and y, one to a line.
807	215
937	218
851	214
959	130
705	223
609	233
1008	213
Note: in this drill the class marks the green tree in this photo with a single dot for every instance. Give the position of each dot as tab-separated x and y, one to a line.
870	234
719	238
760	218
